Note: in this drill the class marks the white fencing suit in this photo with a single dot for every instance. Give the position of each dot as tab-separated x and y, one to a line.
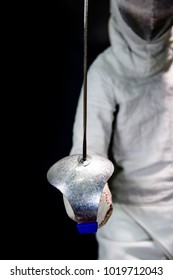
130	113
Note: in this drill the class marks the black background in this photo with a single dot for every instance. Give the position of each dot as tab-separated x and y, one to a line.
42	77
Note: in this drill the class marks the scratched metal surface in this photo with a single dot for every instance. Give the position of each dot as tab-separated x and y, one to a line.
81	183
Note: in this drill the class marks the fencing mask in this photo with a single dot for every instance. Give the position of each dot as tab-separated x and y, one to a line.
149	19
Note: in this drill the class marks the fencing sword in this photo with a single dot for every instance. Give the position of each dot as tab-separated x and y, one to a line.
81	178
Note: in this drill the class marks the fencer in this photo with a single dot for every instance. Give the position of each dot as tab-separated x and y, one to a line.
130	121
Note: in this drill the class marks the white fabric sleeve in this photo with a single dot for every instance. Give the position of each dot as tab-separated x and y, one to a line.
100	113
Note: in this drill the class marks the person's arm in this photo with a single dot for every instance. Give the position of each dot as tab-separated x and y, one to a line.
100	114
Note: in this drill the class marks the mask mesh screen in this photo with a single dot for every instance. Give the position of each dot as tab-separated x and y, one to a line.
148	18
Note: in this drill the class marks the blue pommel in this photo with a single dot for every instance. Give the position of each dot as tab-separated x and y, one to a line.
85	228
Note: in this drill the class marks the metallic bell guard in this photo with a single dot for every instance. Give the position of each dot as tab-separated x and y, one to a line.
82	184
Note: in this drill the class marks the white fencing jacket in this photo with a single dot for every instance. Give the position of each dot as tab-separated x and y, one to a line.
130	100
